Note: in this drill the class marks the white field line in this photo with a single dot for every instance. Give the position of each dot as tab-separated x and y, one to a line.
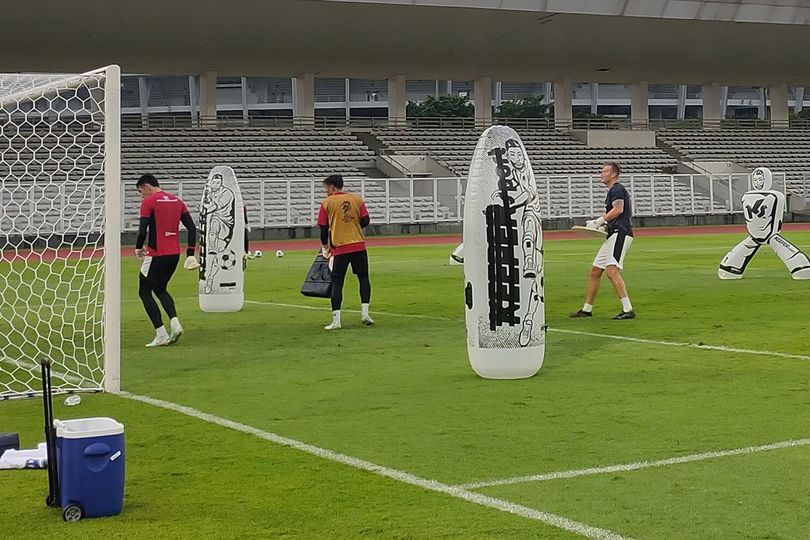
34	366
636	465
554	520
702	346
318	308
683	344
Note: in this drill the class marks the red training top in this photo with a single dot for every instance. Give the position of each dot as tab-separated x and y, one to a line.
164	211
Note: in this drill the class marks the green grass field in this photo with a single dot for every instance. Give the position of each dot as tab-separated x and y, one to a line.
401	395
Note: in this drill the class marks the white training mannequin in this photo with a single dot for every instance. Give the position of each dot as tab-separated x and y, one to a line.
763	209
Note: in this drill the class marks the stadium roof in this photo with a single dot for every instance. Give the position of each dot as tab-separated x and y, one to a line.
741	11
515	40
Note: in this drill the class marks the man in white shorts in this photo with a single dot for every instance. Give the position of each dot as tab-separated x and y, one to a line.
610	258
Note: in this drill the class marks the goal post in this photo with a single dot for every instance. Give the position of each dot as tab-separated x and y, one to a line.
112	235
60	231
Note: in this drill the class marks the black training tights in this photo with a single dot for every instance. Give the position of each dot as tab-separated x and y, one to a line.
337	290
145	291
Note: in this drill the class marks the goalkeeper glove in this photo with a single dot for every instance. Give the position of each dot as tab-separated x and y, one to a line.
595	223
191	263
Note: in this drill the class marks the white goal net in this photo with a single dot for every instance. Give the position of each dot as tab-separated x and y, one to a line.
60	231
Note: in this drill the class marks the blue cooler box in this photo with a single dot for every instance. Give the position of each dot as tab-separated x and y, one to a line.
90	456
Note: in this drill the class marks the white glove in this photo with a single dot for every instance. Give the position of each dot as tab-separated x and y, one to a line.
140	253
595	223
325	252
191	263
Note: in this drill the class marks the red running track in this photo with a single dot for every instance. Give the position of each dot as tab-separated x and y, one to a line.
418	240
424	240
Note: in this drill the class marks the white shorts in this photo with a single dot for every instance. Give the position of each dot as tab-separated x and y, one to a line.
613	251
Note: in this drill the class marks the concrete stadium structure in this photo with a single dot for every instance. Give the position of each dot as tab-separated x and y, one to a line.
711	44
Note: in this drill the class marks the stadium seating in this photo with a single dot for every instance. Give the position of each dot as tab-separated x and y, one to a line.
785	151
185	156
279	164
550	151
553	152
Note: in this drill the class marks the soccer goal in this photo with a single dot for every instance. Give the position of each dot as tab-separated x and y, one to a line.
60	231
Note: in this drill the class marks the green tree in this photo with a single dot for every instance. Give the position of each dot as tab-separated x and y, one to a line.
443	106
529	107
804	114
587	114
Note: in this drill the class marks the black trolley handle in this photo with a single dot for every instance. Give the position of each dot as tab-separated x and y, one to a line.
50	435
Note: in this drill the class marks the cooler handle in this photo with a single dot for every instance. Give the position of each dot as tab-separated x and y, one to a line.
97	449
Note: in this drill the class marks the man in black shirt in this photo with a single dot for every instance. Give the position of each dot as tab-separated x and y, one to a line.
610	258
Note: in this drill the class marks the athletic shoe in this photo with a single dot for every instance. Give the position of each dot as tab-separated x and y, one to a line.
334	325
625	315
367	320
176	332
159	341
581	313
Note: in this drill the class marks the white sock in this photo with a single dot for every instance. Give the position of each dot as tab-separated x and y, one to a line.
626	305
175	321
364	310
161	332
336	316
587	308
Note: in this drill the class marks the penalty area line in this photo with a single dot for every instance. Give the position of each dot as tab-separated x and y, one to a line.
637	465
554	520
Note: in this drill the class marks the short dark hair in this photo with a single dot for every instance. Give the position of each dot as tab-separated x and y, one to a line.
334	180
147	179
615	166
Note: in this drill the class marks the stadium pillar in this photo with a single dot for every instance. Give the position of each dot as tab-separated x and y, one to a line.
396	101
723	101
208	94
144	90
711	106
563	108
779	106
303	90
244	88
595	98
639	103
482	88
193	96
681	114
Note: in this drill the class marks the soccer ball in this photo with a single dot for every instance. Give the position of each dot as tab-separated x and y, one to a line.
279	253
257	253
227	260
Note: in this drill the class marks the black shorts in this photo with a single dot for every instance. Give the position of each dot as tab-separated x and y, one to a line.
358	260
159	270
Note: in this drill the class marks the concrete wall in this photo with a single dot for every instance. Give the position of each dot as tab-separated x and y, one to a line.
396	229
614	138
716	167
398	165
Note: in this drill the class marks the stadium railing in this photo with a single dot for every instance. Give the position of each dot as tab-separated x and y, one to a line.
294	202
158	121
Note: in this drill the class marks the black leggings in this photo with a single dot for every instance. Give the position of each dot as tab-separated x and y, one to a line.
155	281
337	290
359	263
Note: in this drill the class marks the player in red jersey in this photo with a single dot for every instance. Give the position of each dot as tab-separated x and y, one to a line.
161	215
